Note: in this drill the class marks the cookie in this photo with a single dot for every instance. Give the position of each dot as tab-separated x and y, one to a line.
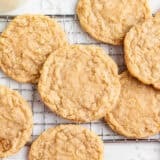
79	83
137	113
109	20
142	51
15	122
25	45
70	142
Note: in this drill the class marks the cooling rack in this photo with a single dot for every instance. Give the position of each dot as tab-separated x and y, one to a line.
43	117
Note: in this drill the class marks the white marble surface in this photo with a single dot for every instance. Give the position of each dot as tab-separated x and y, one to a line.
59	7
129	151
117	151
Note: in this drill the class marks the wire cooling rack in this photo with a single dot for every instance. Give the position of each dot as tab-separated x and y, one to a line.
43	117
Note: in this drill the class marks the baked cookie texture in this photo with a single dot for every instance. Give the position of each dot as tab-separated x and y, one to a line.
142	51
25	45
70	142
109	20
15	122
137	113
79	83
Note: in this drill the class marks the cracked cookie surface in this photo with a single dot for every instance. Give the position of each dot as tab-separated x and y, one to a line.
137	113
67	142
15	122
79	83
109	20
25	45
142	51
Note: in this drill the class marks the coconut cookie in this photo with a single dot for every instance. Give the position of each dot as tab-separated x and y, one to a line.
15	122
109	20
79	83
70	142
142	51
26	44
137	113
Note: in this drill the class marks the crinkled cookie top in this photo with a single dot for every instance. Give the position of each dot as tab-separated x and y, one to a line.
79	83
142	51
25	45
109	20
15	122
67	142
137	113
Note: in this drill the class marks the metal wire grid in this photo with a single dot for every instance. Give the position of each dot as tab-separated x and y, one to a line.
43	117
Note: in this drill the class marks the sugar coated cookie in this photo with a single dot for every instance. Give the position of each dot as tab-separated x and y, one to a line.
137	113
15	122
67	142
79	83
109	20
25	45
142	51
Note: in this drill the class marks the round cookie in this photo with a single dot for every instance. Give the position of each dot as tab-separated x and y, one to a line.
109	20
15	122
25	45
137	113
142	51
79	83
67	142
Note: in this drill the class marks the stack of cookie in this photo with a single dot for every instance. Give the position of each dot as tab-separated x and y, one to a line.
81	82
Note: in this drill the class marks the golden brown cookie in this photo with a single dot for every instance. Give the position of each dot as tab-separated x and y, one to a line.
26	44
109	20
15	122
68	142
142	51
137	113
79	83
